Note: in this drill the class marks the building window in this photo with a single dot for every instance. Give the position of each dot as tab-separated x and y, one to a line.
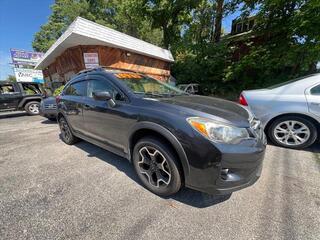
251	24
239	28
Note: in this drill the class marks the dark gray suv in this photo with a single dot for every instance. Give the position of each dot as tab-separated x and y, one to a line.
172	138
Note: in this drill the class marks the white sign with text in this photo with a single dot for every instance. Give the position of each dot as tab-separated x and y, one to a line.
91	60
28	75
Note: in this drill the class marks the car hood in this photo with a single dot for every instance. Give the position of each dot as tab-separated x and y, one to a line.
49	100
225	110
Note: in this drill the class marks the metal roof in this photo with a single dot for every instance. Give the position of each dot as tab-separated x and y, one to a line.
84	32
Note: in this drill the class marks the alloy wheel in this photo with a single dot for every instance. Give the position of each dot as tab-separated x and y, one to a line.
291	133
34	108
154	166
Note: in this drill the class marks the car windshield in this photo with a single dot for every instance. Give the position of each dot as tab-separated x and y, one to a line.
290	81
146	86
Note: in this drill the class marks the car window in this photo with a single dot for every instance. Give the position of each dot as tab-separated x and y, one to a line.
103	86
189	89
76	89
31	89
315	90
6	89
195	88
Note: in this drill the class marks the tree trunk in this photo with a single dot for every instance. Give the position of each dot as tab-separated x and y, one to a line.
166	37
218	21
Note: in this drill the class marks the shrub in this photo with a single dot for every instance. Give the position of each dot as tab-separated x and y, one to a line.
58	90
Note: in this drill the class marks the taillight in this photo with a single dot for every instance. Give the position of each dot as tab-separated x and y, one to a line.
242	100
58	98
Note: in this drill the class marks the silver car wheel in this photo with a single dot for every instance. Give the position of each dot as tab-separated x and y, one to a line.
154	166
34	108
291	133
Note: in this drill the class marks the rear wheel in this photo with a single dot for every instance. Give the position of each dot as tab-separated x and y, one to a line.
66	133
293	132
32	108
157	167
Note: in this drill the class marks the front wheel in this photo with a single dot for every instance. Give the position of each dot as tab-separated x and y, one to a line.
293	132
32	108
157	166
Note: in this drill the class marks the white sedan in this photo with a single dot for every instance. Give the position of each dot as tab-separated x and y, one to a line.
289	112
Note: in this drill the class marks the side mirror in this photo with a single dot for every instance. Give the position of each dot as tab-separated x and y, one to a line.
102	96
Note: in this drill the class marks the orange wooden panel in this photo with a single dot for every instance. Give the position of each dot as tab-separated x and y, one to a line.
72	60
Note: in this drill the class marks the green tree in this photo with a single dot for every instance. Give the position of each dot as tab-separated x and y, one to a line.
288	46
170	17
63	13
129	16
201	28
11	78
123	15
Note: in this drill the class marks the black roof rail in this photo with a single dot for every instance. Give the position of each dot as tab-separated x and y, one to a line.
89	70
100	68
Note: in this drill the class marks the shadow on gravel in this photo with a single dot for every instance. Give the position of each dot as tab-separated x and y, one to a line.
12	114
47	121
315	148
186	196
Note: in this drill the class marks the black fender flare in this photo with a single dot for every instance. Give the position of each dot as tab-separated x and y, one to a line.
27	99
166	134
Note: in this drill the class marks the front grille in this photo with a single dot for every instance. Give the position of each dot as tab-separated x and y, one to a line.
50	106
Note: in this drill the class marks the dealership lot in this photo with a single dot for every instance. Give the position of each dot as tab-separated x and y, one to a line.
49	190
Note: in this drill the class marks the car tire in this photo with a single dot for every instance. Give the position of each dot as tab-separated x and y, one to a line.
32	108
66	132
157	166
279	130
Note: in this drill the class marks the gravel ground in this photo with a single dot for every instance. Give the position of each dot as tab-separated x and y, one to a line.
49	190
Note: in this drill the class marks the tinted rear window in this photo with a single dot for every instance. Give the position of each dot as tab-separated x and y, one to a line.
315	90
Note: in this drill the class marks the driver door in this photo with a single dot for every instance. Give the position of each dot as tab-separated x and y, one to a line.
103	122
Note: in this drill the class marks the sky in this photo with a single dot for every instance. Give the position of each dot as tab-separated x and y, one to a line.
21	19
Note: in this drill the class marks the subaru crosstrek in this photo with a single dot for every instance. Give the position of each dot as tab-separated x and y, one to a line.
172	138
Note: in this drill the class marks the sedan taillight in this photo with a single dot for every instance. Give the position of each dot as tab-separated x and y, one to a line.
242	100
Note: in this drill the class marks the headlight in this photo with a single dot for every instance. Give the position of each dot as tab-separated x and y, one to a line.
218	132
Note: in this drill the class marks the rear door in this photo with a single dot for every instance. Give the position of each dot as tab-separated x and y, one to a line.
10	96
313	98
73	101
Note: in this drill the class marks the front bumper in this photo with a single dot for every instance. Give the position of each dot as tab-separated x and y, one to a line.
228	168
